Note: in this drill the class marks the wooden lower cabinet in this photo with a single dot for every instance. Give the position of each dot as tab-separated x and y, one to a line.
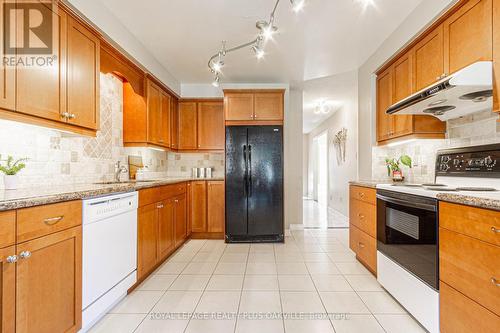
180	217
199	206
216	206
166	241
49	283
147	239
7	290
207	209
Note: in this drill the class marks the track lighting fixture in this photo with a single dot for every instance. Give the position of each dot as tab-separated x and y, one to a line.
266	31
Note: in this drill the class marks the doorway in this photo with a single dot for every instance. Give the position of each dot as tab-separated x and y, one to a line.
321	173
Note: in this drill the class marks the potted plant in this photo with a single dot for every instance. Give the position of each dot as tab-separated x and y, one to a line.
10	170
394	167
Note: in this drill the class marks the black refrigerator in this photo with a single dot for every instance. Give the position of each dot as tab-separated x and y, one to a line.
254	184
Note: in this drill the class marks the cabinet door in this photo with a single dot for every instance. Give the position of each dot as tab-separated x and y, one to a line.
429	59
83	76
468	35
216	206
384	101
7	73
165	227
41	90
239	106
187	125
211	129
496	56
180	217
154	113
174	124
199	206
7	291
165	103
268	106
189	194
147	235
49	283
402	88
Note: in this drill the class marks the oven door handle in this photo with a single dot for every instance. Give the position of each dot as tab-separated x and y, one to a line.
418	205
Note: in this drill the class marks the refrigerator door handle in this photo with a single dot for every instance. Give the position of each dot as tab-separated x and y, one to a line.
249	170
245	176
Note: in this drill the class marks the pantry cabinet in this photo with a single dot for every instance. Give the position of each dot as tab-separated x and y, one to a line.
247	107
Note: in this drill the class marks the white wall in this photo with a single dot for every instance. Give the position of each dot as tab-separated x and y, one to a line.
103	19
345	117
417	21
305	164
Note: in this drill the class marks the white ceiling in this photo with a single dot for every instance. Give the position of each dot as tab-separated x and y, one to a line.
327	38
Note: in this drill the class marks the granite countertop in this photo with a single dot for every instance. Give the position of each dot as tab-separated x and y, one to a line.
369	183
29	197
488	200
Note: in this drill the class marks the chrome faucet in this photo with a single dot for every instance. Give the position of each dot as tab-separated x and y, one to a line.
119	169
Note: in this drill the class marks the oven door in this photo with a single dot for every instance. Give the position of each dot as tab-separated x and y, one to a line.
407	233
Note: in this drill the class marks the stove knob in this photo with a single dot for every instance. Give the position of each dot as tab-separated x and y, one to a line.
445	159
489	162
444	167
457	163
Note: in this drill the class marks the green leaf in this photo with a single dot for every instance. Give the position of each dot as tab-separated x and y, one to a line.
406	160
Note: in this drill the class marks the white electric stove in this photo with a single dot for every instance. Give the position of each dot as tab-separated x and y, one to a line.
408	226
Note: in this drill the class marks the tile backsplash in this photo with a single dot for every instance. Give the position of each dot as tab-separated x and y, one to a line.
472	130
57	158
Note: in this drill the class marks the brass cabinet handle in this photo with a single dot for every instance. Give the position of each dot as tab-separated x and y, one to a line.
53	220
71	116
65	115
361	216
361	194
12	259
25	254
495	230
495	282
160	206
361	245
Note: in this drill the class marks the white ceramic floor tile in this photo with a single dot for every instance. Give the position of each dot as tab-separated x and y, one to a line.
309	326
295	302
380	302
234	257
199	268
342	257
322	268
171	268
190	282
207	257
255	302
211	326
176	302
157	282
237	248
363	283
138	302
123	323
261	269
343	302
288	268
289	257
331	283
358	324
182	257
213	245
399	323
219	301
261	257
158	325
261	282
225	282
295	283
227	268
261	248
316	257
260	326
352	268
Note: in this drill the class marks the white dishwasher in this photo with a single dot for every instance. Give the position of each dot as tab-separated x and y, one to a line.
109	253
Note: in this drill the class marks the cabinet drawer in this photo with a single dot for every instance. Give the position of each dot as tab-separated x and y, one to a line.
364	216
43	220
459	314
173	190
365	194
7	228
470	266
365	247
475	222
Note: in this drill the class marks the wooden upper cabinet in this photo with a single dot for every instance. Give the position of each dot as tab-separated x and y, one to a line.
187	125
41	90
199	206
7	291
49	283
154	112
239	106
7	73
468	35
165	107
83	78
215	206
147	235
496	56
174	124
268	106
402	88
211	129
180	217
384	101
165	227
429	59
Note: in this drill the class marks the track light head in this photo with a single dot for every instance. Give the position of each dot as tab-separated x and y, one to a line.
259	52
266	30
216	82
297	5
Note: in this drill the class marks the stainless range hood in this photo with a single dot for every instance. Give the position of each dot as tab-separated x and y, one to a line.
467	91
